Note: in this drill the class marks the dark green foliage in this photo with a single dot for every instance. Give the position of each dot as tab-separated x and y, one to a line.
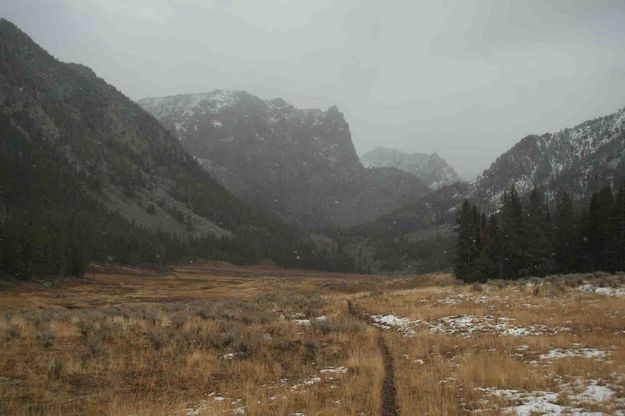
469	241
565	235
539	236
412	256
513	256
527	241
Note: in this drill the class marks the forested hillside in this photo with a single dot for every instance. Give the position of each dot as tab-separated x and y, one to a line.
88	175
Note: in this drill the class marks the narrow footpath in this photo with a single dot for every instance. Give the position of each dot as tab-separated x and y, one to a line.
389	401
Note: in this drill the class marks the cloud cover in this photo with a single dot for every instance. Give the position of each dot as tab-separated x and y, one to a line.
464	78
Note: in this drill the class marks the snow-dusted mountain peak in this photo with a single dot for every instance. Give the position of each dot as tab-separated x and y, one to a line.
430	168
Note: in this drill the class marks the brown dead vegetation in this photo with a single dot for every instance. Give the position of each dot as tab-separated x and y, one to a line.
220	339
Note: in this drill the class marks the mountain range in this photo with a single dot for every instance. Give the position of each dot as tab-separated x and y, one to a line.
86	174
299	163
578	160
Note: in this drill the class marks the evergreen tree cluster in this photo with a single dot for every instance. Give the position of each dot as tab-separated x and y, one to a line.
530	238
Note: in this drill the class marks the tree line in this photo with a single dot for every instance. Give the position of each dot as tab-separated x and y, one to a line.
52	225
535	238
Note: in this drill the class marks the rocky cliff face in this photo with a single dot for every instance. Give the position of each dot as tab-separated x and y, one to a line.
577	160
430	168
299	163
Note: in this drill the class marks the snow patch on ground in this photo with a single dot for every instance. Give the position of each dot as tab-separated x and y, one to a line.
460	298
403	325
607	291
529	403
235	405
557	353
467	325
307	322
334	370
594	393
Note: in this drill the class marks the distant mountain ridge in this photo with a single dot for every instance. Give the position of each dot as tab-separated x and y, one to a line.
430	168
299	163
577	160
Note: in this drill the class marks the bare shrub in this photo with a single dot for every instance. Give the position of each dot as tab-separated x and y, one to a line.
12	333
557	288
476	287
95	343
324	327
46	338
157	338
309	354
85	328
178	321
501	283
225	339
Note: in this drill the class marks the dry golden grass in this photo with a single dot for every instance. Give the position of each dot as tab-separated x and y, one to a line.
217	339
446	373
193	340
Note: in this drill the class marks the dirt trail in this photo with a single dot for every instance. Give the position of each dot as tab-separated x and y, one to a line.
389	403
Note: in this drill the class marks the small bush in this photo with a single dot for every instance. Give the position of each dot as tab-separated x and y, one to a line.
324	326
95	343
46	338
85	329
476	287
12	333
157	339
310	351
178	321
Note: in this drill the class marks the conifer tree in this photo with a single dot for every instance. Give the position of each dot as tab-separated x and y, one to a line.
565	235
487	265
513	256
467	242
540	254
617	242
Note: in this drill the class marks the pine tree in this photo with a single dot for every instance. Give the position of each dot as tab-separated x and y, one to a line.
617	240
565	235
596	226
487	265
513	247
467	242
538	236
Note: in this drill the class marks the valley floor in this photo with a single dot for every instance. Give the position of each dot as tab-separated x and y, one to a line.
216	339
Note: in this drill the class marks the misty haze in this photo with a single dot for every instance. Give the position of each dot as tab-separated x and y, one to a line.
290	207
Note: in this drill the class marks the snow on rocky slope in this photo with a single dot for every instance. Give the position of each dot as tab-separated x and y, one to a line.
431	168
300	163
577	160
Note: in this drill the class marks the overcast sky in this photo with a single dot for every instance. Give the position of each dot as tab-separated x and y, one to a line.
466	79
